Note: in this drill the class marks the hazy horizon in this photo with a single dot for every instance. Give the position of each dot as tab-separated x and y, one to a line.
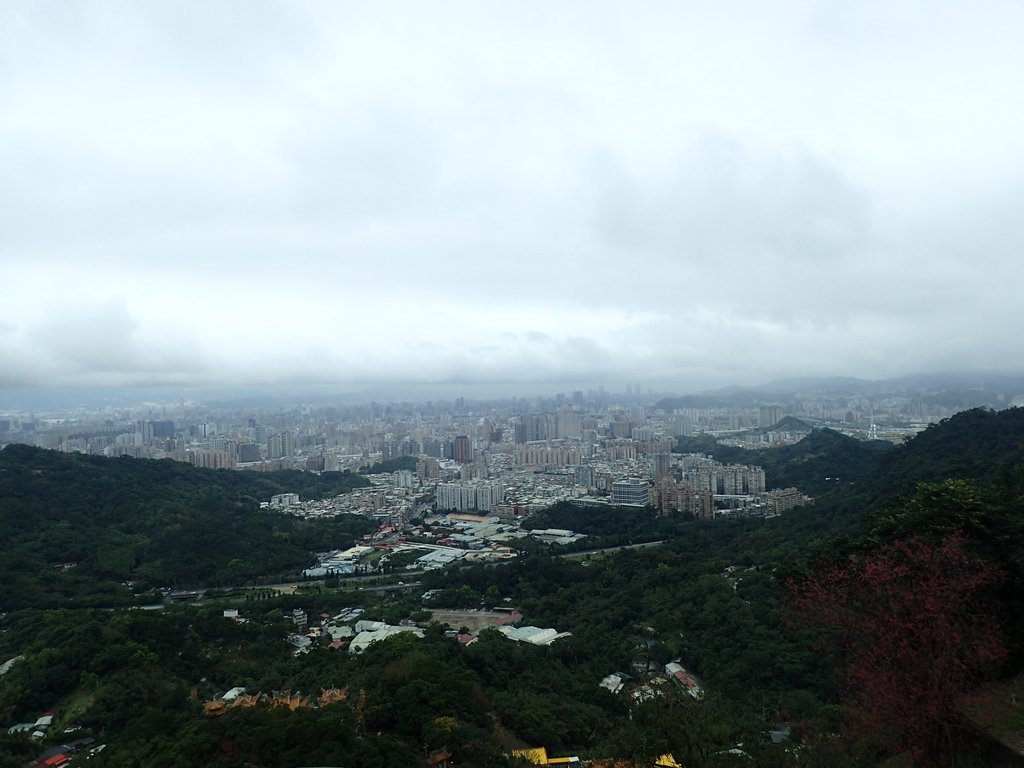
528	196
67	399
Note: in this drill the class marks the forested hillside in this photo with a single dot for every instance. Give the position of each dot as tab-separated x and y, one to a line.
158	523
980	445
824	462
768	614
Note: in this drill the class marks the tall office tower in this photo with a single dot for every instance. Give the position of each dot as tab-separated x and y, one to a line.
463	450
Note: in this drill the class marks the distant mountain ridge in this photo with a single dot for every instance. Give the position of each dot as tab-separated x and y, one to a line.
963	389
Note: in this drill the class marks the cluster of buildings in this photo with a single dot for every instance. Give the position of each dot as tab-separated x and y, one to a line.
553	431
37	729
340	562
65	753
436	541
42	727
651	686
506	458
346	631
563	432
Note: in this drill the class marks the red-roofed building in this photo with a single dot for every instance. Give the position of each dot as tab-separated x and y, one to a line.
513	618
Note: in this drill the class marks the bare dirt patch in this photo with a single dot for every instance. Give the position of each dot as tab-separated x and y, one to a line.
473	620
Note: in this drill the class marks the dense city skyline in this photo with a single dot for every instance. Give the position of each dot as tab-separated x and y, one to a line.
690	195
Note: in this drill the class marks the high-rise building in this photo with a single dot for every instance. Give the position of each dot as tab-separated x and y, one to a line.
661	464
428	469
463	451
463	496
455	496
532	427
248	452
585	476
548	455
670	496
402	478
489	495
620	450
622	428
769	415
683	427
730	480
566	424
163	428
281	445
211	459
642	434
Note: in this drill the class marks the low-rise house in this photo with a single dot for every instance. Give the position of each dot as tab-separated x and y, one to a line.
679	675
613	683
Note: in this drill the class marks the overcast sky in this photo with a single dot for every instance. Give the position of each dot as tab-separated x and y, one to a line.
526	192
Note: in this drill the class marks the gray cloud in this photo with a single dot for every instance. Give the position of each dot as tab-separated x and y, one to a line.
98	343
331	192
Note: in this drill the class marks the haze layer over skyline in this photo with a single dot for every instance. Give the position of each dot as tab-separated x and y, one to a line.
335	193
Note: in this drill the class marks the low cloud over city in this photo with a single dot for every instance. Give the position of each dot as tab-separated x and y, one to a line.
692	194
